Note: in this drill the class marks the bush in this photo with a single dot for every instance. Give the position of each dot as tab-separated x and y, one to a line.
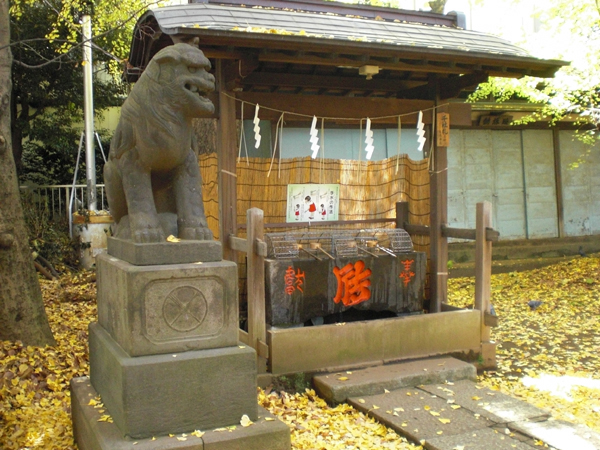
48	235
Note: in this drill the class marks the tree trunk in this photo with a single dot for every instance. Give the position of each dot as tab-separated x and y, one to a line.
17	132
22	314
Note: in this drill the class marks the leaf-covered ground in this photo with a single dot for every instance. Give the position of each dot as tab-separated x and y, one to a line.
555	348
549	356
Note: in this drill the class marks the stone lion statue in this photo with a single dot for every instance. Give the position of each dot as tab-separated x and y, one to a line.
152	178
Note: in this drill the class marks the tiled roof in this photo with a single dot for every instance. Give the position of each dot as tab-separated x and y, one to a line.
178	19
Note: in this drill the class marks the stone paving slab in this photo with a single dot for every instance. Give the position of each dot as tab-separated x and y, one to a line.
419	415
497	407
266	433
559	434
484	439
336	388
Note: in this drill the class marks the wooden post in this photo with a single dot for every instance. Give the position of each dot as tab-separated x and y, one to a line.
257	327
226	154
560	205
401	214
483	275
439	217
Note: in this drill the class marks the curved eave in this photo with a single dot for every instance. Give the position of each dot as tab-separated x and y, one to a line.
500	64
434	49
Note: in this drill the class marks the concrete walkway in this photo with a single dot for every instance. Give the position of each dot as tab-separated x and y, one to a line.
436	402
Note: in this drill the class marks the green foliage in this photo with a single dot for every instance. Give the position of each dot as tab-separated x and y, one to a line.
50	153
112	23
569	31
48	78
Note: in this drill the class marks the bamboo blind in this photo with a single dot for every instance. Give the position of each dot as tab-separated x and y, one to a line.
368	190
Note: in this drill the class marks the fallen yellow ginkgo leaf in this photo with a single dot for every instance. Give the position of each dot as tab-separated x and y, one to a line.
245	422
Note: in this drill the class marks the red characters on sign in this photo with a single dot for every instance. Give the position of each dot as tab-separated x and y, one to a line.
407	274
294	280
353	284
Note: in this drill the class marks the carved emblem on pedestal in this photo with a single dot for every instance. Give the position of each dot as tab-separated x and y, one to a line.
184	309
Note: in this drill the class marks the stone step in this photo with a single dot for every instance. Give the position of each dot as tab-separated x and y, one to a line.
337	387
465	415
559	434
438	423
493	405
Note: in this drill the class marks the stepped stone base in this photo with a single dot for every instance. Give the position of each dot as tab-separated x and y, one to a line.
266	433
375	380
157	253
172	393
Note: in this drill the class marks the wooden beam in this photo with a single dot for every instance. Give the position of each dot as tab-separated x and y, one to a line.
450	87
417	230
491	235
324	59
346	107
328	223
332	81
332	106
238	244
227	153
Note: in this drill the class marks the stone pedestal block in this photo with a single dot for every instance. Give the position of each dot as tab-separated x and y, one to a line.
266	433
173	393
153	310
158	253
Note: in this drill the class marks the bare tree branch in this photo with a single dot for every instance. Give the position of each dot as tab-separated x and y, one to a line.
77	45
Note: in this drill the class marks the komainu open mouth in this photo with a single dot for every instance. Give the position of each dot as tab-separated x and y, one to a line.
196	90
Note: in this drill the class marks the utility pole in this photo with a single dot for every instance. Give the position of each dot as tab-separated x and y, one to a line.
88	113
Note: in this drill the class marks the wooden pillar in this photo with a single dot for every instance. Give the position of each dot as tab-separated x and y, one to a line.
483	277
438	190
257	327
401	214
226	154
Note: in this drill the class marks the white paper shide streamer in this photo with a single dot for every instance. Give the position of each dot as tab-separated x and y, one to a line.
369	140
256	122
314	139
420	131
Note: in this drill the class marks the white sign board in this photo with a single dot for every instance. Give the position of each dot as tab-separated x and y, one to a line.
312	202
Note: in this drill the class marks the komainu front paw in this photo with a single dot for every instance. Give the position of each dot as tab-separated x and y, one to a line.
147	235
196	233
146	228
